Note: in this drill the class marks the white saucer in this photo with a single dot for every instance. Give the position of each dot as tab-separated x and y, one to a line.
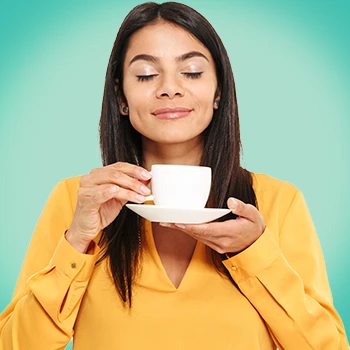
158	213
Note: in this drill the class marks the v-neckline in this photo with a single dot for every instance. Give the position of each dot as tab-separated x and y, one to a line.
198	254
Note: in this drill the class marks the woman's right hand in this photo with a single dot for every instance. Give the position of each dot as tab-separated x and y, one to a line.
101	196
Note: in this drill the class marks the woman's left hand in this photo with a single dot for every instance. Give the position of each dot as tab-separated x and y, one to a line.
231	236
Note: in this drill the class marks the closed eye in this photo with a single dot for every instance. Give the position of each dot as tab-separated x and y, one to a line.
145	77
191	75
194	75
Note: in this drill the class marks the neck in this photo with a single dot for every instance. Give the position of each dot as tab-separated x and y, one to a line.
188	153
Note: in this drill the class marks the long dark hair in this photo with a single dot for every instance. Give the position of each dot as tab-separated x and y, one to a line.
120	142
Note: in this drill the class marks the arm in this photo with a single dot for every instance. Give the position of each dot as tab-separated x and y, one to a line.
284	277
51	284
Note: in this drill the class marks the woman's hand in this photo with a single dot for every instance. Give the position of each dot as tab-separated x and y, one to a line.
231	236
101	196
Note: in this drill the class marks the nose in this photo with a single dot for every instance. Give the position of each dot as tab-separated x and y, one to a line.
169	87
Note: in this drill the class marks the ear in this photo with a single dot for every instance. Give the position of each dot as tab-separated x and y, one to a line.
217	98
217	102
123	109
120	100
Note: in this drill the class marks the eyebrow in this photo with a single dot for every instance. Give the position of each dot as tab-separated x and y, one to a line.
153	59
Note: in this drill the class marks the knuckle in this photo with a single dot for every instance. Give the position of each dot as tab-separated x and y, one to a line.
83	181
94	170
80	192
95	198
115	175
205	232
119	165
191	229
82	196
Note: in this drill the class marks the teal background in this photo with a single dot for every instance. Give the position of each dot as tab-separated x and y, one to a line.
291	65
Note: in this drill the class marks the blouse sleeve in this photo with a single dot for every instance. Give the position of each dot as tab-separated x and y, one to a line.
283	276
51	284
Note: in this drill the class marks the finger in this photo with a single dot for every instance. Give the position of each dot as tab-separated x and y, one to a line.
116	177
97	175
242	209
191	230
125	181
129	196
132	170
211	230
194	230
200	231
94	197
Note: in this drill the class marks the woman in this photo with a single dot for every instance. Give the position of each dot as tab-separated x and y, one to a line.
96	270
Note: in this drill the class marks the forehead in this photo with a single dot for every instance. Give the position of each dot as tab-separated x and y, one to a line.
164	40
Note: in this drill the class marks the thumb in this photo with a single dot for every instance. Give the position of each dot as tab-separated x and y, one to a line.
240	208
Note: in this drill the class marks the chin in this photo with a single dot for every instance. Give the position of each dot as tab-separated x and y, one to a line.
168	139
172	140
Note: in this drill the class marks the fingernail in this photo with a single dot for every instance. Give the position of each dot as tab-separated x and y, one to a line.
164	224
140	198
233	203
180	225
145	189
146	175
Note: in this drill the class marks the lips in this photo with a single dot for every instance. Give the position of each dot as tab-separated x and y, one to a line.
172	113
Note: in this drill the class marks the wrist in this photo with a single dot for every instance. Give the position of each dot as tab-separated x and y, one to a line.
80	245
232	254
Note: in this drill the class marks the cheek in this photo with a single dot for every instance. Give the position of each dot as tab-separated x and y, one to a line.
137	99
137	96
204	96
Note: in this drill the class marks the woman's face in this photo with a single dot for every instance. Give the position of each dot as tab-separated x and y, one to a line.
169	84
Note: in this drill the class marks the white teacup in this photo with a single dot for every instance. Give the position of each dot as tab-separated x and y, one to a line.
180	186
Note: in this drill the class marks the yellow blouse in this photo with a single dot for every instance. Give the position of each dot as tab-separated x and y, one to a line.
283	297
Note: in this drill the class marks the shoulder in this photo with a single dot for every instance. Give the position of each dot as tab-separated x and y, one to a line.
66	190
268	185
72	184
274	196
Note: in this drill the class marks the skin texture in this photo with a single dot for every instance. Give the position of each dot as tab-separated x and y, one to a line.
169	85
101	196
163	77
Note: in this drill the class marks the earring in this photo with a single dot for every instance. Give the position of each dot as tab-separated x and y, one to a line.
216	104
126	109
